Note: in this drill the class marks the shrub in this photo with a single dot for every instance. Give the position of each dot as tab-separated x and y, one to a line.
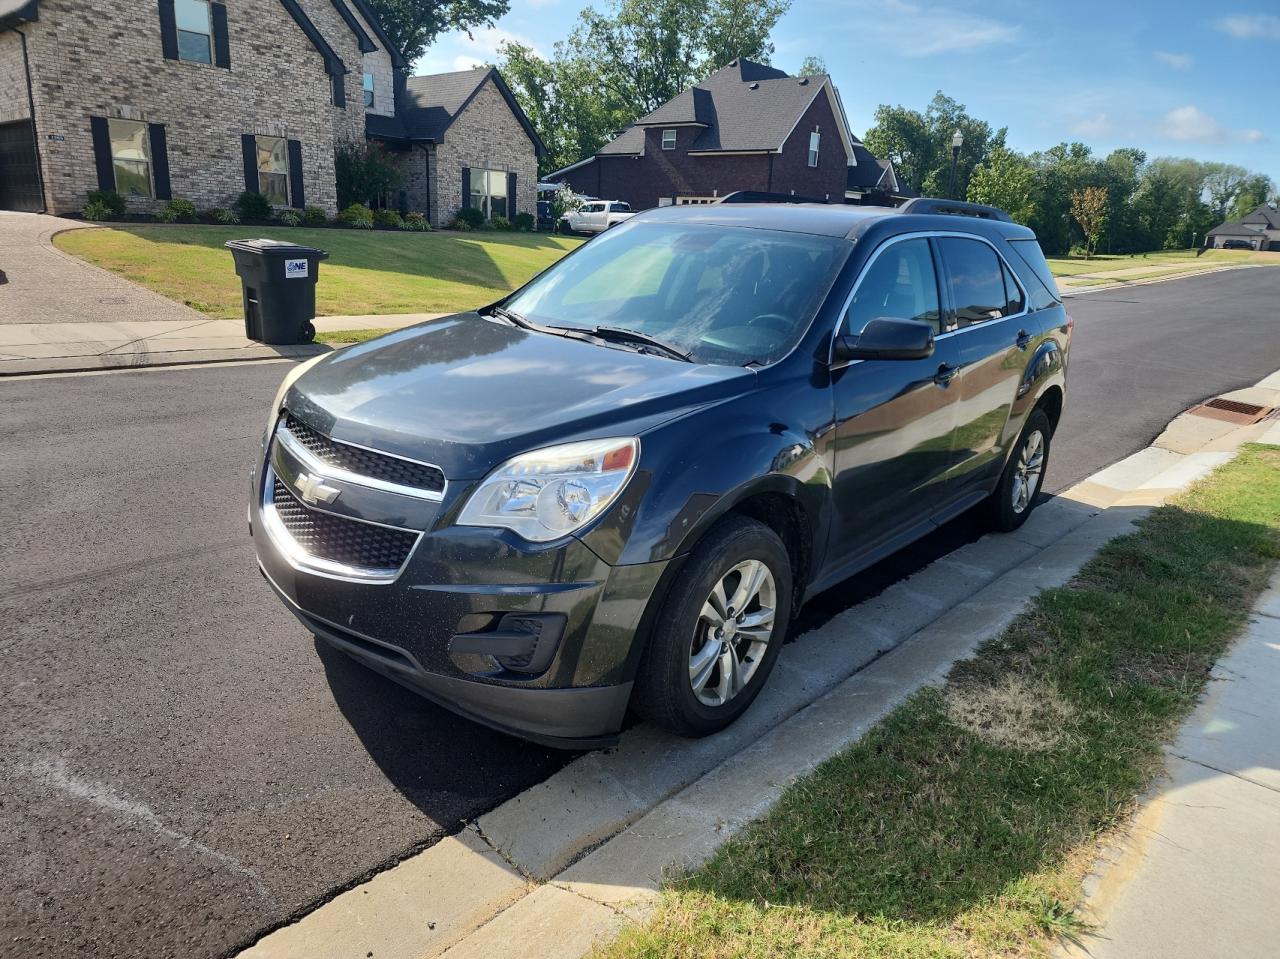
499	223
524	222
97	210
417	222
177	211
462	226
358	216
363	171
290	218
111	200
470	216
253	206
315	216
388	218
227	217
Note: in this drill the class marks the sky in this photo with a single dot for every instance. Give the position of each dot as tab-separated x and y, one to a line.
1170	77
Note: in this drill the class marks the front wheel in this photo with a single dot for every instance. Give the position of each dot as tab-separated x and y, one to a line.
719	632
1015	497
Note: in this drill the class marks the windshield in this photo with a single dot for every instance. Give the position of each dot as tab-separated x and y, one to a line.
724	295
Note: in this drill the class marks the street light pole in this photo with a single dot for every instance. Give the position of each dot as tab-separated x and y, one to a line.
957	141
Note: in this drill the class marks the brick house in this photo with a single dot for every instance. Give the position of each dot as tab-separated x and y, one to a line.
1259	230
748	126
461	140
199	99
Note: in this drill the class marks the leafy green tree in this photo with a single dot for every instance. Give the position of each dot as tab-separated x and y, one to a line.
812	67
1005	179
1089	209
414	24
1256	190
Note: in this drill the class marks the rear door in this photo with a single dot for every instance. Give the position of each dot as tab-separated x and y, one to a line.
894	418
995	340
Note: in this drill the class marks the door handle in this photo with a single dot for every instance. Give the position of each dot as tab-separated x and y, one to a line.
1024	339
946	373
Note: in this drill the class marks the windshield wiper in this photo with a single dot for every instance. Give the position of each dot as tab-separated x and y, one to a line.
512	317
618	334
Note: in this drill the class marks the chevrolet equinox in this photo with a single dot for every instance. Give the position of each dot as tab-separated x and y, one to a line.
613	488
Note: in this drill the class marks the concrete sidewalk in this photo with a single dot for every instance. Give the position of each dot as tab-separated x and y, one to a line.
1198	877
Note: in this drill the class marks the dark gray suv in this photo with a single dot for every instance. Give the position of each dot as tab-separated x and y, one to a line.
614	487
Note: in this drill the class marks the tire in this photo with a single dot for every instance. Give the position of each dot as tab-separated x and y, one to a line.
308	332
1012	502
665	691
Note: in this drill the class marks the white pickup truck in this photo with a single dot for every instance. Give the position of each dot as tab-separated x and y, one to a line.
596	216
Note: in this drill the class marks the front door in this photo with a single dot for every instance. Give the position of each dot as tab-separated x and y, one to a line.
19	173
894	419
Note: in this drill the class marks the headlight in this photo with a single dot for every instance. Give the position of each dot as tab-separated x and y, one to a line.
289	379
550	493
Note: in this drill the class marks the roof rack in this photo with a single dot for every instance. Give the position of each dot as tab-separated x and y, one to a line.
928	204
759	196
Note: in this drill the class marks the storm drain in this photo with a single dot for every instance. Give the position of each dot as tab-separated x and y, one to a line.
1233	411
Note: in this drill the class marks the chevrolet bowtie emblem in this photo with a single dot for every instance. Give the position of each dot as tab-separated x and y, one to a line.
312	489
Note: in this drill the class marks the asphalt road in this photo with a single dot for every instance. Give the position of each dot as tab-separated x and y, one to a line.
183	768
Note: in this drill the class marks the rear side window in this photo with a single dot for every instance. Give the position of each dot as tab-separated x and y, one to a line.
1042	289
977	280
619	208
900	284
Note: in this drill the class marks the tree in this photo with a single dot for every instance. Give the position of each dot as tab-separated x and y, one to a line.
414	24
364	173
1005	179
812	67
1256	190
1089	209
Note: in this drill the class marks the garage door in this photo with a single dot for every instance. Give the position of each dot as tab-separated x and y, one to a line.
19	178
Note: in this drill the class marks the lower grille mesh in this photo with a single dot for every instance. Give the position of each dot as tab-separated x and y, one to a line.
341	540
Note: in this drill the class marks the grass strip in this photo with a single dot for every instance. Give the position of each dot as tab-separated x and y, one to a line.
346	337
964	823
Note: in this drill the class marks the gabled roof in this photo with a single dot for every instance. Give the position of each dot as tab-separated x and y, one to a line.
375	24
333	64
1237	228
14	12
1265	213
431	103
366	42
868	172
745	107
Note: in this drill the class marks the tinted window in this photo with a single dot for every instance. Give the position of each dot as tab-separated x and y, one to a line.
725	295
1041	285
1012	292
619	208
900	285
977	280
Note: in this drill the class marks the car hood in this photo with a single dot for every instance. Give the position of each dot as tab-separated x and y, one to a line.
465	393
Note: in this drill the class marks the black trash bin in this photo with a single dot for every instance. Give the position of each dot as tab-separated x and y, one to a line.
279	284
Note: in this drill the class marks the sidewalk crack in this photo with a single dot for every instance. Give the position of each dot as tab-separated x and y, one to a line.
1226	772
474	827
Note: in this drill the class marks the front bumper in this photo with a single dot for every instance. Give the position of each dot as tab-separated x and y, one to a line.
458	583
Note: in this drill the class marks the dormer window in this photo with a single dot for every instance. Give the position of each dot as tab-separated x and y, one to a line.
195	31
814	139
668	139
368	91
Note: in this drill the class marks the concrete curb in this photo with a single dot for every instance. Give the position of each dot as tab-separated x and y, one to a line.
1111	287
570	861
134	361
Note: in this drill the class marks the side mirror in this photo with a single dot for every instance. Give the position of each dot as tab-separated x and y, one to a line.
886	339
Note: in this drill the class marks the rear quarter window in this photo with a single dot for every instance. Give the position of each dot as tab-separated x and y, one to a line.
1042	290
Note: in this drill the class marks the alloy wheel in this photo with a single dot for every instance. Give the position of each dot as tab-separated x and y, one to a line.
733	632
1028	471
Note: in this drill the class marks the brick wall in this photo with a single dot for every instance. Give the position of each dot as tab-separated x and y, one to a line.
103	58
14	104
378	62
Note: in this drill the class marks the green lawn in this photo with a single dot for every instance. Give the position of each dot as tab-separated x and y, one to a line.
1102	263
367	272
963	824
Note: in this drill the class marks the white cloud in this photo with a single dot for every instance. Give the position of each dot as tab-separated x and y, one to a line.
1190	124
1095	126
1177	61
457	51
916	30
1244	26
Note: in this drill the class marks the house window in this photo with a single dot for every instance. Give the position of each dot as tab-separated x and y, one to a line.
195	31
130	157
368	90
668	139
489	192
273	169
814	139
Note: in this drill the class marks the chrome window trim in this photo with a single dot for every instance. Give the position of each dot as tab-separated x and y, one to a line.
316	465
924	234
304	562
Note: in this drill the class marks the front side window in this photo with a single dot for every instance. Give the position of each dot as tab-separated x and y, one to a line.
368	90
815	139
489	192
900	284
668	139
977	280
724	295
273	169
195	33
130	157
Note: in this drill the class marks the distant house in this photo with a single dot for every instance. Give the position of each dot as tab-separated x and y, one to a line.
748	126
1260	229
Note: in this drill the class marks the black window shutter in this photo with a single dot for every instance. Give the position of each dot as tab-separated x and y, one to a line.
511	196
160	161
249	147
466	187
221	46
168	30
102	153
297	196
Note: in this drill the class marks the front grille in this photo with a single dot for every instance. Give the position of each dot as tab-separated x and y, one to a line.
379	466
341	540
